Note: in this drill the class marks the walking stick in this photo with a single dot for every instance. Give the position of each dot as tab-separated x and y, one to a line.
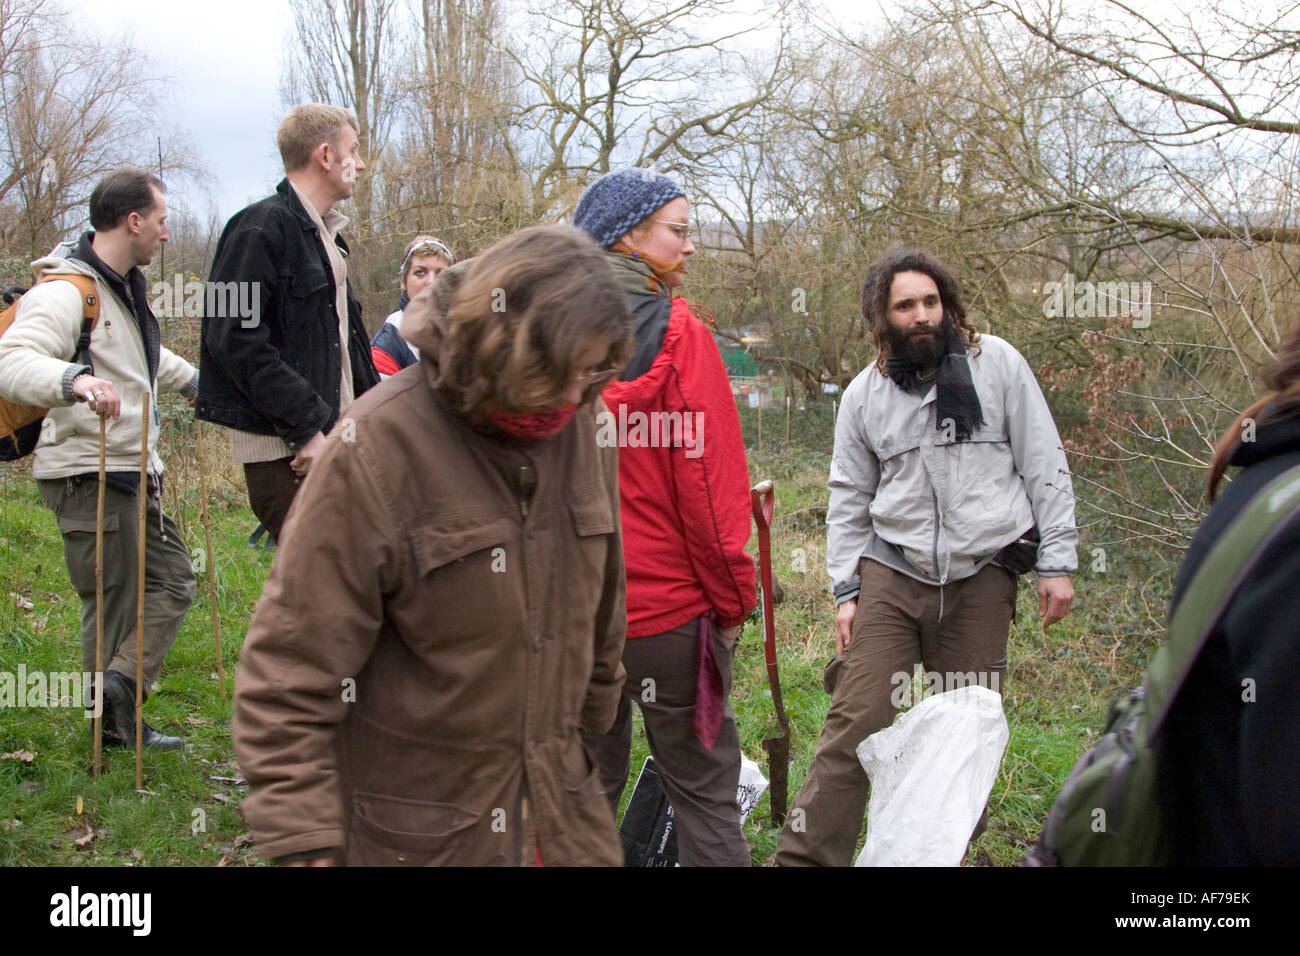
778	748
97	680
143	497
212	568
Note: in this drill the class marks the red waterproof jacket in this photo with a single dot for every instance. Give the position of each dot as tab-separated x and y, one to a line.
684	484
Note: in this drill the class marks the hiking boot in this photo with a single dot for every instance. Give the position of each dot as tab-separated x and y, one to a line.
148	738
119	717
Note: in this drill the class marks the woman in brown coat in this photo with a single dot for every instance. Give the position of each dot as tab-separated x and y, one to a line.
446	610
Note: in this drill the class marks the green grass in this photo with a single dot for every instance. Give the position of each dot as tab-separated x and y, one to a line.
1059	683
185	818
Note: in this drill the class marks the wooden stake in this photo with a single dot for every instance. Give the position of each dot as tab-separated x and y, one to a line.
143	510
97	681
760	419
212	568
787	419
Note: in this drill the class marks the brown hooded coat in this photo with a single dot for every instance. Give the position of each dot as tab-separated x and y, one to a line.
445	612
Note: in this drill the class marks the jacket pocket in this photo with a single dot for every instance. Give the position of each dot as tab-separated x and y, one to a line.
394	831
80	523
307	282
593	515
593	524
585	833
437	545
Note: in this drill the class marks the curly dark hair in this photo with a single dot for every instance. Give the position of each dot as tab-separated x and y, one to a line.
519	316
880	278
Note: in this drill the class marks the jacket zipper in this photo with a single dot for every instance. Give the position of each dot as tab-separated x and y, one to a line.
523	824
523	800
934	550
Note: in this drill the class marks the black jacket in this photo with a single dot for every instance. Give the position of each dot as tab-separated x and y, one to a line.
277	372
1228	773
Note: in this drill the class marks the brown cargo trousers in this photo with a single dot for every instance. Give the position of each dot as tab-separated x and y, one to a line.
900	622
168	574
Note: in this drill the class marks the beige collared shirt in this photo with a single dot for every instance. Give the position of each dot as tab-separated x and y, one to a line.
248	447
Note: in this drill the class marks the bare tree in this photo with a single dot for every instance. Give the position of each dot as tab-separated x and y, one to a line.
460	175
346	52
72	108
631	83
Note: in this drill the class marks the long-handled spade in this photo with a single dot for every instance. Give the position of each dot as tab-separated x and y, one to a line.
778	748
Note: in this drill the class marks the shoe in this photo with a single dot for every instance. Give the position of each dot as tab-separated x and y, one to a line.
148	738
119	717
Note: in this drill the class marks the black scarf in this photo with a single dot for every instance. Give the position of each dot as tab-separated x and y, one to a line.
132	290
958	401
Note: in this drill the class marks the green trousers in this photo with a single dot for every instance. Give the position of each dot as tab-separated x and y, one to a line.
168	575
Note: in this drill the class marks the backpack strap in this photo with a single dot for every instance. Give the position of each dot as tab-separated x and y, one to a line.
1206	596
89	312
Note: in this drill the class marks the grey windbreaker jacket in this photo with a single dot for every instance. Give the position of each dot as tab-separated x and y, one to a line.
948	506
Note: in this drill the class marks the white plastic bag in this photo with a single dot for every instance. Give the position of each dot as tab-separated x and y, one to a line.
752	785
931	774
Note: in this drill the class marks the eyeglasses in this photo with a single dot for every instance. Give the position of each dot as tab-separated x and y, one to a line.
594	377
681	230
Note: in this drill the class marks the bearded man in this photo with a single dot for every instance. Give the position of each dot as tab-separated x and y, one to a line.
948	480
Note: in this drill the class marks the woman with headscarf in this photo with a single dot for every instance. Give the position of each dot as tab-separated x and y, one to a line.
685	500
424	259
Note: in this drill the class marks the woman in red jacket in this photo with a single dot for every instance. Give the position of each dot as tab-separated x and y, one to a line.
684	487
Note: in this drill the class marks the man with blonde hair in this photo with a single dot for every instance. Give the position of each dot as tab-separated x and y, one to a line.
279	374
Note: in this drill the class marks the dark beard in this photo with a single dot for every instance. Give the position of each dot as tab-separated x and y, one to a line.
914	361
913	356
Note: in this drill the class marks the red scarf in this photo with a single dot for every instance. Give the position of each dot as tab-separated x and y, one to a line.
534	426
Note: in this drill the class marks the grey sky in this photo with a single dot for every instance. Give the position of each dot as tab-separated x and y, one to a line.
221	61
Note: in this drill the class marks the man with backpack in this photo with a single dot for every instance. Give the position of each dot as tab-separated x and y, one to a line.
41	364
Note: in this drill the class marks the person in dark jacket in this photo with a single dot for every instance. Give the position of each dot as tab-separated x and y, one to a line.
684	487
280	373
1228	778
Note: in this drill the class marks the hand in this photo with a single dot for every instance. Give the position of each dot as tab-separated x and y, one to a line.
844	624
99	394
307	455
314	861
729	635
1054	597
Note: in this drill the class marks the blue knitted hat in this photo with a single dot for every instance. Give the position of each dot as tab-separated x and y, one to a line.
617	201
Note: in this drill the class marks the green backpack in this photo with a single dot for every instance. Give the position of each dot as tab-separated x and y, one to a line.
1107	813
